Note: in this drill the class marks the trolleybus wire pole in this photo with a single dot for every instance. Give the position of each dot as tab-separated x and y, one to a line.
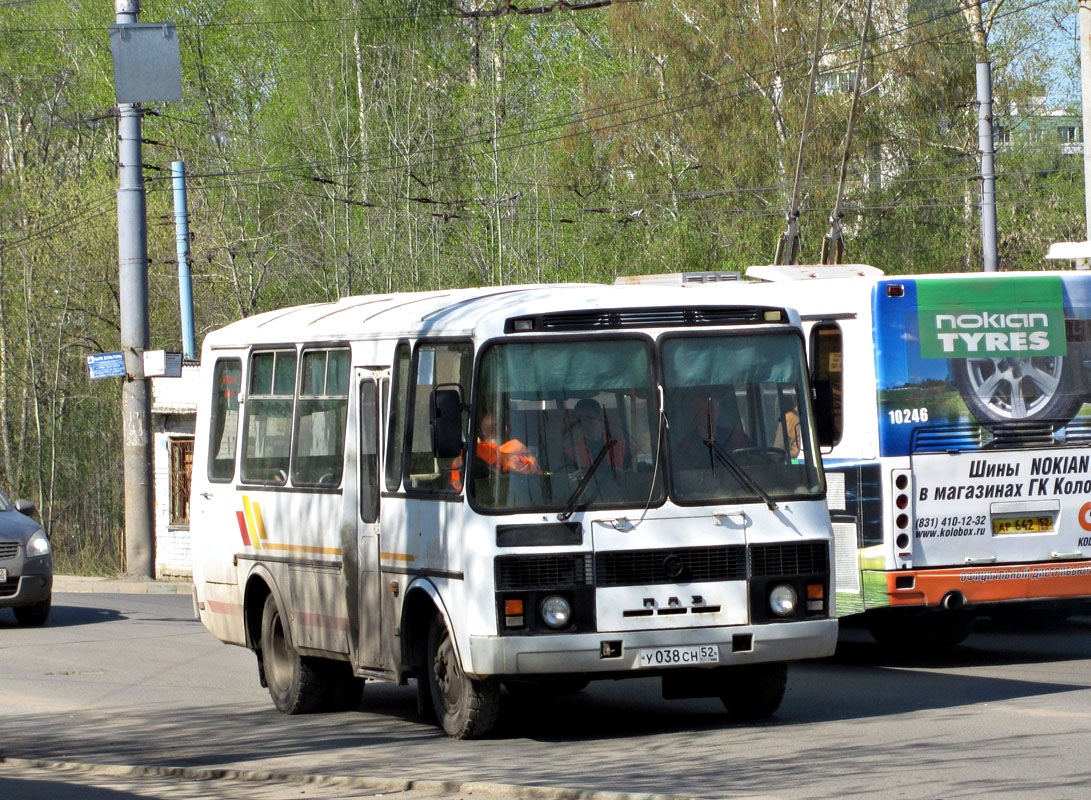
132	246
788	244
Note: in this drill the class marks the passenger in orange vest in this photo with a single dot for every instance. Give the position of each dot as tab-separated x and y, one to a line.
511	456
589	437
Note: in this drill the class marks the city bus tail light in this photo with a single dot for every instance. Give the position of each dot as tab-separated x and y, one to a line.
903	516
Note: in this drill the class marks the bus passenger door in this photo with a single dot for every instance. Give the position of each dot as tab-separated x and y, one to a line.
367	518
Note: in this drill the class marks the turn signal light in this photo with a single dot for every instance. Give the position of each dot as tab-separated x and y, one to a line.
513	612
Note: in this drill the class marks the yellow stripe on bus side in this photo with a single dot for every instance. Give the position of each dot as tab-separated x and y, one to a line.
248	510
398	557
259	521
303	548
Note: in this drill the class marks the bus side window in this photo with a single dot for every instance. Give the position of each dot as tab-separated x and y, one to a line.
369	451
224	430
826	360
269	417
319	453
395	440
437	364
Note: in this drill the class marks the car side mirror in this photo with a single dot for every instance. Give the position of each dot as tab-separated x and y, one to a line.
26	507
446	417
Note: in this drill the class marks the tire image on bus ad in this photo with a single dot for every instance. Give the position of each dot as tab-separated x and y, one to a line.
998	353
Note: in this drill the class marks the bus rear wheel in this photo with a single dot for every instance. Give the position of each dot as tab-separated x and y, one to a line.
465	708
754	691
294	682
927	633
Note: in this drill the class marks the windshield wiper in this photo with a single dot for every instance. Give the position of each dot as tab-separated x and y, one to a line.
740	474
570	506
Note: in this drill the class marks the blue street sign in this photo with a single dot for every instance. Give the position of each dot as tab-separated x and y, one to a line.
106	365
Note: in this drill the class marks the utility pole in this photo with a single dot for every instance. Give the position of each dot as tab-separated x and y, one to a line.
132	249
185	282
835	240
988	171
1084	15
788	244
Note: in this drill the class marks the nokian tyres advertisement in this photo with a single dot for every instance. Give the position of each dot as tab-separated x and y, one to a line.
983	381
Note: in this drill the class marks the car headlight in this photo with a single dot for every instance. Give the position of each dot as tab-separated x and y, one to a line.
783	600
556	612
38	545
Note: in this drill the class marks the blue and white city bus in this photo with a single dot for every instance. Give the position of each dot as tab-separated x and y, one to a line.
951	413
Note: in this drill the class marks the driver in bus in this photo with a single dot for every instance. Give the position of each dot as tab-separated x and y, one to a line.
589	430
709	423
509	456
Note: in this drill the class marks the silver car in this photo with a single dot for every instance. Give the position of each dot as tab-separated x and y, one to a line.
26	563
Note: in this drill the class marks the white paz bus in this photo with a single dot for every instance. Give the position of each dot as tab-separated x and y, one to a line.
955	437
523	486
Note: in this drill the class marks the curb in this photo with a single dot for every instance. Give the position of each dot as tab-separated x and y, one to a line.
79	584
374	784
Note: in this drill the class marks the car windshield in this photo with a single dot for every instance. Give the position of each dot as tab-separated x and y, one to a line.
552	415
738	419
5	504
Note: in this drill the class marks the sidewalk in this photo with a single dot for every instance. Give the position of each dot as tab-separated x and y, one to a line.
119	585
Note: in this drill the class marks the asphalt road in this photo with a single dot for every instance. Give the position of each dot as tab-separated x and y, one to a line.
134	680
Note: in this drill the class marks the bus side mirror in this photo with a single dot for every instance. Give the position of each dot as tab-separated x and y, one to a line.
825	428
446	423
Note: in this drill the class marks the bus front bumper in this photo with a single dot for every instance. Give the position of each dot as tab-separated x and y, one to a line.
589	653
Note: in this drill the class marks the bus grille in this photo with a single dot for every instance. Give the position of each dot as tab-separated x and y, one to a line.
520	573
678	565
8	550
804	558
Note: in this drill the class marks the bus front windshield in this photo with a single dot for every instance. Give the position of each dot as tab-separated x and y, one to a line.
572	424
738	412
550	414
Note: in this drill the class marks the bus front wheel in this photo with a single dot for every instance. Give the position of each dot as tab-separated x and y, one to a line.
754	691
294	682
465	708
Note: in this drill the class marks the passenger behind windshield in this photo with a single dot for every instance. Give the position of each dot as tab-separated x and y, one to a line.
490	454
737	424
566	402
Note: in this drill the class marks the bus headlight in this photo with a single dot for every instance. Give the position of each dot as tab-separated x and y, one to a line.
556	612
783	600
